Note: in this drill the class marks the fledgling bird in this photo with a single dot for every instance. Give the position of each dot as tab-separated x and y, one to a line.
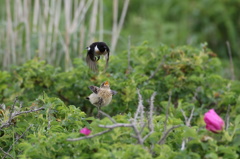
101	96
95	50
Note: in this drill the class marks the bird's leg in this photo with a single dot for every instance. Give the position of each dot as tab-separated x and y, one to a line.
97	58
98	114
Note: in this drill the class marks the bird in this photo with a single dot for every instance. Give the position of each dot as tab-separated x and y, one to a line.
95	50
101	96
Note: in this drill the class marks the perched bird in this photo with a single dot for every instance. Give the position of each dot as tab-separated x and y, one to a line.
101	96
95	50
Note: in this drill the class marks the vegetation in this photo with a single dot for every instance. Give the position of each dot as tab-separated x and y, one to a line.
169	64
58	31
177	84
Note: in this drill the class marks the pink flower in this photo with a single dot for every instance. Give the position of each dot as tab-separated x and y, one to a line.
213	122
85	131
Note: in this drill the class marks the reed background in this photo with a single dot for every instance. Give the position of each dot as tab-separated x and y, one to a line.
58	31
55	30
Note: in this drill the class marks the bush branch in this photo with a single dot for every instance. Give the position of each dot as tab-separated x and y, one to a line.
5	153
13	114
116	125
105	114
231	61
168	105
10	148
91	136
188	123
165	134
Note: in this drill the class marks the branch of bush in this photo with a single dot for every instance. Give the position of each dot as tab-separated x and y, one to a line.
13	113
137	123
18	138
5	153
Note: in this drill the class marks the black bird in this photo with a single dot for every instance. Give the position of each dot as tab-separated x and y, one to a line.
95	50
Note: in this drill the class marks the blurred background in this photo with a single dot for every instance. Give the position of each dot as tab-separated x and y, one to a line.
59	30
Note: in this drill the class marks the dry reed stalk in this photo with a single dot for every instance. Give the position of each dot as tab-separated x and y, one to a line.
44	19
115	23
26	5
93	22
56	17
7	56
35	15
67	9
81	42
12	37
41	34
101	20
117	28
18	19
78	12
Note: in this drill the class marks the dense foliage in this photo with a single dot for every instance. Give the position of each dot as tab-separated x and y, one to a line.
183	77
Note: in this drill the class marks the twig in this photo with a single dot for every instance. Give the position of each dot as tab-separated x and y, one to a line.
140	109
138	135
91	136
5	153
230	59
150	119
10	148
13	115
158	68
29	111
190	118
129	54
115	125
183	144
188	123
184	115
227	117
168	105
12	109
105	114
142	128
165	134
8	123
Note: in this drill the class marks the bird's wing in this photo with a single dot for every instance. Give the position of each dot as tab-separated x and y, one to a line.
91	62
99	102
94	89
113	92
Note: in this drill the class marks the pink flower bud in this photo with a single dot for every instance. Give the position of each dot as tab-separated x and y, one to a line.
85	131
213	122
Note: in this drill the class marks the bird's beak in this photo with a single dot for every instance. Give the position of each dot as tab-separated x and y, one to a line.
106	83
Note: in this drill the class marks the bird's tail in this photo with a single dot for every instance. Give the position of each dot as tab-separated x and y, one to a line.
92	64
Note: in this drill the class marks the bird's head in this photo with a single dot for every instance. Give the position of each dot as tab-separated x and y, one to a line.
103	47
105	85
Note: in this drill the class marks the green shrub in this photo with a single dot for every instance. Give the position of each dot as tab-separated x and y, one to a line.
183	77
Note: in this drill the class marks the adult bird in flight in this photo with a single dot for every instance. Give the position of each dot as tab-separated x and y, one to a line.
95	50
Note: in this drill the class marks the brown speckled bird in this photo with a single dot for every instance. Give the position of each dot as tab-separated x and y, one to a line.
101	96
95	50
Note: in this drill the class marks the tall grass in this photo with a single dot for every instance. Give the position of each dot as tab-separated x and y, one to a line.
56	30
